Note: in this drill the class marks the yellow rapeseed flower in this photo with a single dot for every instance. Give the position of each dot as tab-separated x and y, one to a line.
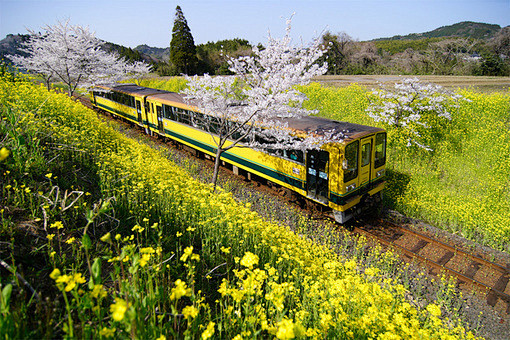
57	225
118	309
98	292
285	329
249	260
179	290
138	228
189	312
4	153
55	273
434	310
187	252
106	238
209	331
145	259
107	332
147	250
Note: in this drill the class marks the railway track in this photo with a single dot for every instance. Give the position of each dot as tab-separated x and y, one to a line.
471	271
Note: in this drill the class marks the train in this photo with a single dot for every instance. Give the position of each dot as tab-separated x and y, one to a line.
342	178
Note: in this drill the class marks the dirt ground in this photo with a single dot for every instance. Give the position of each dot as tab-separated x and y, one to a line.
485	84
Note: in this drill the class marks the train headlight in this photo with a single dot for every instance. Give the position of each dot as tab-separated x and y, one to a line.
380	173
350	187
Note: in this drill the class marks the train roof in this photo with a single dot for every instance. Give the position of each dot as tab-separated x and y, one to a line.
168	98
321	126
136	90
309	124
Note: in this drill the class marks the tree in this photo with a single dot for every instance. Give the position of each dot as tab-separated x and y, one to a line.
253	105
500	44
411	106
364	58
182	47
137	71
338	50
447	54
73	55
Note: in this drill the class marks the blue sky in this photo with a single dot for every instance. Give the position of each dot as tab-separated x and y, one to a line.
134	22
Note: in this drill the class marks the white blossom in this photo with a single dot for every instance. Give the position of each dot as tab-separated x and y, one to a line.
408	104
73	55
261	95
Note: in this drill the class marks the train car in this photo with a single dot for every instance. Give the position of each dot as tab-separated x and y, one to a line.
341	177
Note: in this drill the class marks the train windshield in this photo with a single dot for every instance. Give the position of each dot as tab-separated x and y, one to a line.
350	165
380	149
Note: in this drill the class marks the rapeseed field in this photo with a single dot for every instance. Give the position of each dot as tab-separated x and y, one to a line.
126	244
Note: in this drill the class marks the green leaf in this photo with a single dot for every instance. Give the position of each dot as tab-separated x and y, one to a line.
96	270
6	298
87	243
89	215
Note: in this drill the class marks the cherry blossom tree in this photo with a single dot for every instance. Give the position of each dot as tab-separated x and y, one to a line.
251	108
138	70
411	107
73	55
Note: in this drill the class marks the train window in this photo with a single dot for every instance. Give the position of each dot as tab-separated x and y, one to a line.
170	112
201	120
266	142
295	155
214	124
185	117
350	165
366	151
380	150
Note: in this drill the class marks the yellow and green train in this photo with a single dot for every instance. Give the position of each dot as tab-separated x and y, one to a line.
341	177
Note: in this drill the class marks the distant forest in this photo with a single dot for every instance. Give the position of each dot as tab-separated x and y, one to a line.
465	48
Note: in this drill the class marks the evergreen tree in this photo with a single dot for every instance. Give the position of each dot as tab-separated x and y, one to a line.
182	47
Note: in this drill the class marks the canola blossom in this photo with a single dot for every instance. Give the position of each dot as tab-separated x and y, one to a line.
275	284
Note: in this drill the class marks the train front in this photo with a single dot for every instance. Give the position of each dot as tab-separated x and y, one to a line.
361	172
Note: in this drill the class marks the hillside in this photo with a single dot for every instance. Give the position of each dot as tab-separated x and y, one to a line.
465	29
11	44
156	53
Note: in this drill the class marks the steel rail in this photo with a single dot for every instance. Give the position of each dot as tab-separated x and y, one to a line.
502	295
502	269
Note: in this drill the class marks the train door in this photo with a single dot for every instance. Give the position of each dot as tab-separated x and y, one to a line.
147	113
317	179
159	113
366	161
139	110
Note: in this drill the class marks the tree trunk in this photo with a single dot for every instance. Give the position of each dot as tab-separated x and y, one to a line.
217	162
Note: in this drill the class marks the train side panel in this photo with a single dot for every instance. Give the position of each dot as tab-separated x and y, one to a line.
285	172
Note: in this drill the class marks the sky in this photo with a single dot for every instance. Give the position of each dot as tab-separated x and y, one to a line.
136	22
